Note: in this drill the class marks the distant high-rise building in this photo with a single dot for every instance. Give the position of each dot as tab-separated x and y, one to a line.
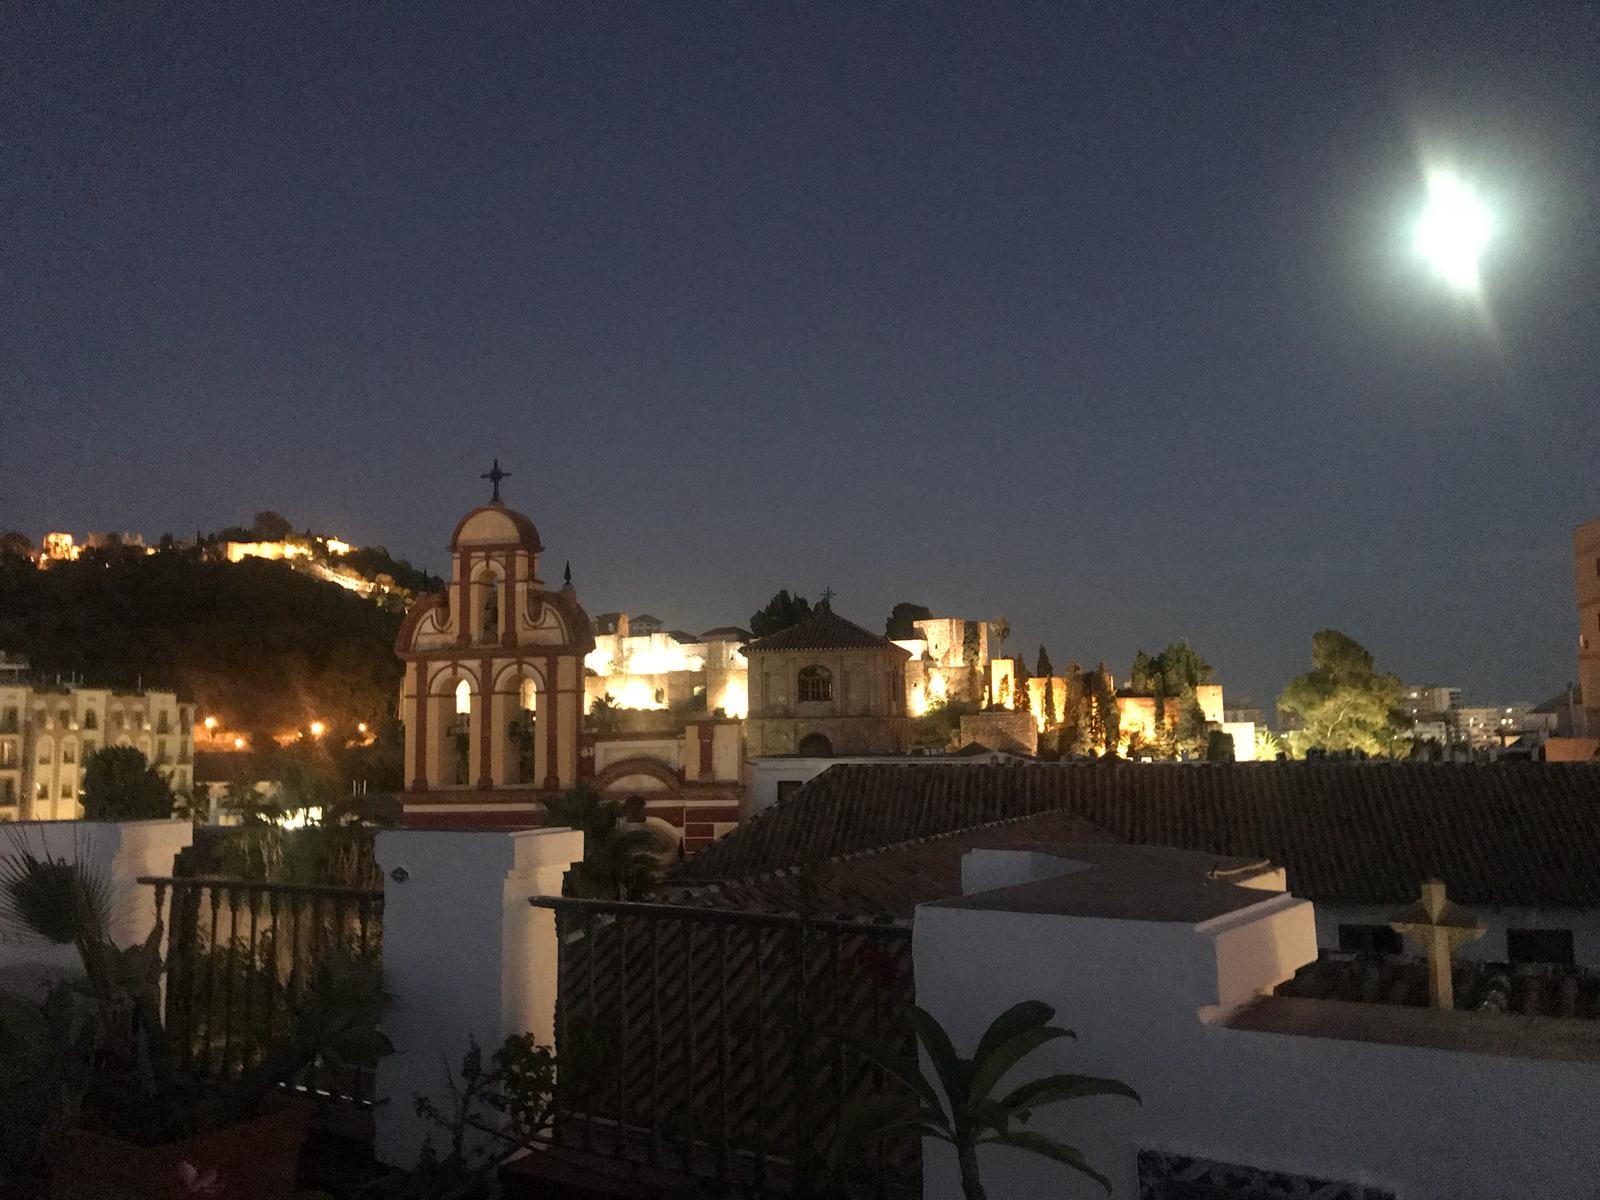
49	731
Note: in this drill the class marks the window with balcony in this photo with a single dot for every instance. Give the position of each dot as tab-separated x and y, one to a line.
91	719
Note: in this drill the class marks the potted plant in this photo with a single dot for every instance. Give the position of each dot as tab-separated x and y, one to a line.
96	1071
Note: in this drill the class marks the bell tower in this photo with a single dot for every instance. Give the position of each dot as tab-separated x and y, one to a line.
492	699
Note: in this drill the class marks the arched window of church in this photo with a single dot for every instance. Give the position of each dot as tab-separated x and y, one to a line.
520	735
815	683
464	698
489	628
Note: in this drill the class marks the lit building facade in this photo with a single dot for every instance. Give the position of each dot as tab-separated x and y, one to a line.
48	734
948	659
639	665
827	686
1586	573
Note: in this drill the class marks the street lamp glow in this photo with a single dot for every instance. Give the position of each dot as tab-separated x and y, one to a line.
318	729
1453	230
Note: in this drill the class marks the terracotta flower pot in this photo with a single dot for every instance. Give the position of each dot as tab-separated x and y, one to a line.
253	1161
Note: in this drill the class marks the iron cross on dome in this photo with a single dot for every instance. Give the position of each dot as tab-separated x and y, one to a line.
494	475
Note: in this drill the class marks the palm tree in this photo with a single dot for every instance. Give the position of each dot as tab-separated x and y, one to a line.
960	1106
1001	628
620	853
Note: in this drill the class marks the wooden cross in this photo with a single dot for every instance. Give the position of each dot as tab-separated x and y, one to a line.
494	475
1439	927
827	597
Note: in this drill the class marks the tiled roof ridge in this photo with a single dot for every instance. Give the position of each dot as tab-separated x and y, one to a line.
1510	834
874	851
830	625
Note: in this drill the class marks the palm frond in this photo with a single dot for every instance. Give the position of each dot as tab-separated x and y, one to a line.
65	902
990	1070
1048	1147
1053	1089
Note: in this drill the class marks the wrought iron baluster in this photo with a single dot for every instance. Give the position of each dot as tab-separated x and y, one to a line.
563	924
293	993
622	1035
835	1001
802	1062
655	1043
363	921
248	1055
161	895
210	982
691	1061
724	1082
592	1024
757	937
274	984
231	961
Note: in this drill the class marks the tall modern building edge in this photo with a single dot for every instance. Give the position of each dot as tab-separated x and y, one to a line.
1586	572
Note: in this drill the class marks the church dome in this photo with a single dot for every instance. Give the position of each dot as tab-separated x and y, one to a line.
496	526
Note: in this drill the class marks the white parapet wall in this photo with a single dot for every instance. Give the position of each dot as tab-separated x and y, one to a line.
466	959
118	853
1175	1001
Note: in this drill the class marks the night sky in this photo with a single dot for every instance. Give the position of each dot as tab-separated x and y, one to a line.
1108	322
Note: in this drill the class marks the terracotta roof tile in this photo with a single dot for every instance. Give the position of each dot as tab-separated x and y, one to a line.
823	630
1514	834
883	882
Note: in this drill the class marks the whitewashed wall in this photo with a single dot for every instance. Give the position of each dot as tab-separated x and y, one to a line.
1144	998
465	957
120	853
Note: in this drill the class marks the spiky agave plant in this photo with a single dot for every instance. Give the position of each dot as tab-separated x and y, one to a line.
959	1105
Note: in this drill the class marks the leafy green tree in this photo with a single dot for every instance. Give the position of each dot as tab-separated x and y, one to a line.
1102	728
604	715
1343	702
621	854
782	611
1219	746
1044	670
1074	735
903	618
256	643
1000	627
1019	689
18	546
120	785
271	527
961	1105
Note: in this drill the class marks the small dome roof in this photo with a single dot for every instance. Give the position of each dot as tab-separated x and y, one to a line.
496	525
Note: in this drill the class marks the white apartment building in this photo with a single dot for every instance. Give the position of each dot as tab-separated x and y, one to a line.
48	732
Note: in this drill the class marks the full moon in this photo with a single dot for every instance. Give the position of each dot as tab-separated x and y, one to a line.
1453	230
